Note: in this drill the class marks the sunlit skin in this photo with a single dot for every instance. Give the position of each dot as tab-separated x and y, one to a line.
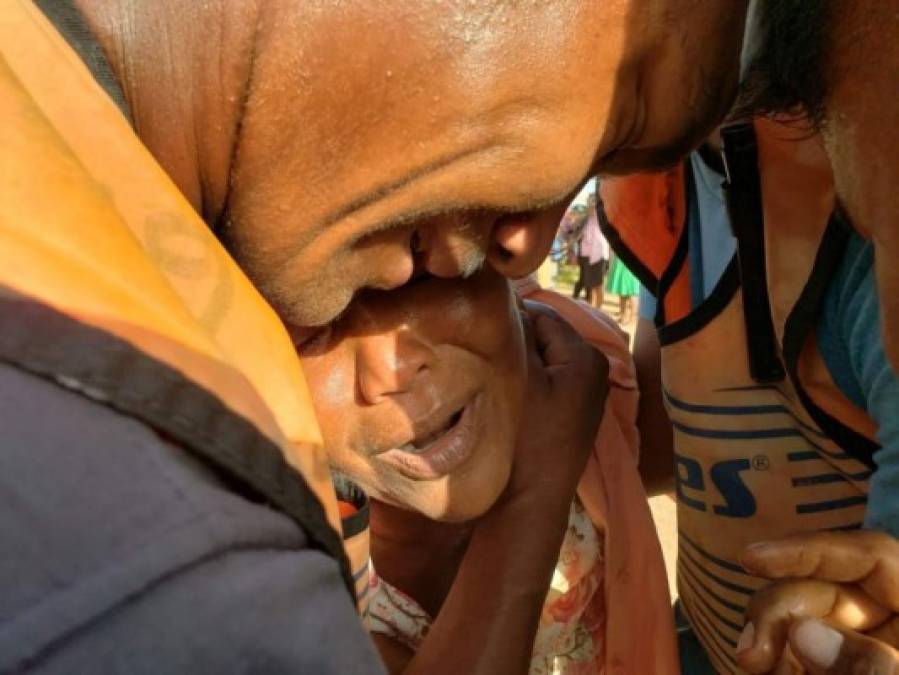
399	366
388	372
320	137
861	139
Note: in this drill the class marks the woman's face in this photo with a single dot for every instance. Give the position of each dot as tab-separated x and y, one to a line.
419	393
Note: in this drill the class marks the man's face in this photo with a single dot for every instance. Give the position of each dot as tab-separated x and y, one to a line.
384	138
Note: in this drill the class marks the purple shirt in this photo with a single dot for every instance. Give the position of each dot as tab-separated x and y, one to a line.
593	244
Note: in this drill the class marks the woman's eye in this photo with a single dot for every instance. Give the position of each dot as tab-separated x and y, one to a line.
309	341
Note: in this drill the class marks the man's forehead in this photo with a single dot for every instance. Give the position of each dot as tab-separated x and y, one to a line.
451	28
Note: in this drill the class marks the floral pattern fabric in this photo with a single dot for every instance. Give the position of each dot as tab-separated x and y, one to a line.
570	636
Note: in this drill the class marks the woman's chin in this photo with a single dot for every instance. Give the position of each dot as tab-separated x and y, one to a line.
463	509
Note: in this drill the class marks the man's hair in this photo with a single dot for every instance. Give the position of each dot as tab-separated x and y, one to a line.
790	70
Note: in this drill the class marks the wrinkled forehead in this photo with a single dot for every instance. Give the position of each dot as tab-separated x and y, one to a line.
372	91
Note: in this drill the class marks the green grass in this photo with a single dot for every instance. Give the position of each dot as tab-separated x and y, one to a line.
566	277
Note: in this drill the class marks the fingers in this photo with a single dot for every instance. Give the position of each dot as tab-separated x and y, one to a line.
887	632
869	559
557	341
774	609
823	649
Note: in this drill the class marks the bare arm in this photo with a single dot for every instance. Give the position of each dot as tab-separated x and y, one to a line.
657	440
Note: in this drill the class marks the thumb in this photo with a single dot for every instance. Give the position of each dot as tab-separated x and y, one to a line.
826	650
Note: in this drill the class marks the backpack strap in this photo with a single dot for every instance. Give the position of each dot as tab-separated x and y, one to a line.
743	191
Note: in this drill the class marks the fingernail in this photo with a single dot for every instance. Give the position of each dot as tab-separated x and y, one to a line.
817	642
747	638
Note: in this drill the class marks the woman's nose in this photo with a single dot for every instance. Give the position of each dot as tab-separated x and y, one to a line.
390	363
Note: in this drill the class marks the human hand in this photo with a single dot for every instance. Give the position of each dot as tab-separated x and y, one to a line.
833	609
567	386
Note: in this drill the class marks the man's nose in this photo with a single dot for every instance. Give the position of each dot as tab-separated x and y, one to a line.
390	363
453	245
519	243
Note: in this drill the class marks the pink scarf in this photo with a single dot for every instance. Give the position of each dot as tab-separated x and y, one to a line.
640	634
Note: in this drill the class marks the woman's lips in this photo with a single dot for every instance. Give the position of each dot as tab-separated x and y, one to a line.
442	455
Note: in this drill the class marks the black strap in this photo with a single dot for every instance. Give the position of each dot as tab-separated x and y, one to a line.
112	372
802	322
743	191
629	258
681	251
70	23
712	307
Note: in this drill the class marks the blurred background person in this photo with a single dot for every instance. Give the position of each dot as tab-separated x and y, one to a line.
586	246
622	282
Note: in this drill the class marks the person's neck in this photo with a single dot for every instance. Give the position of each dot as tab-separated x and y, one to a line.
417	555
184	69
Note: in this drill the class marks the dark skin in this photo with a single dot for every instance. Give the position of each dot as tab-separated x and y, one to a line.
433	155
218	91
389	374
816	576
861	140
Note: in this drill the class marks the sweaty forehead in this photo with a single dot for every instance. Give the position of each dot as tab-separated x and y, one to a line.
351	96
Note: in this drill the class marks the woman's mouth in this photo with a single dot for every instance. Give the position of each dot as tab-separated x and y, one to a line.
438	453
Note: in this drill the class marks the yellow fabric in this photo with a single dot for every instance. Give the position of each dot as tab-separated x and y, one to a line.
91	225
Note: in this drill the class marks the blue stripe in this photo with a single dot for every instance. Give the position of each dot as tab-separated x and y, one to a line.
698	611
828	478
832	505
712	628
732	606
724	583
821	479
705	605
748	410
846	528
829	453
364	594
754	387
803	456
704	630
360	573
708	556
725	409
807	455
739	435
